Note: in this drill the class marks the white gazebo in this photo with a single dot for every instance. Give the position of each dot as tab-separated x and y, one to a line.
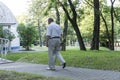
8	20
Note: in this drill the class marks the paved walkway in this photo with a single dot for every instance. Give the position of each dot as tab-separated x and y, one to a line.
69	72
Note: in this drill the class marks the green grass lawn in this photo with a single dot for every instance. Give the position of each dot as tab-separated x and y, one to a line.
103	59
10	75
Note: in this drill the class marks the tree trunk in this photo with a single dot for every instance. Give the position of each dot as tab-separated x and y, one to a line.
107	31
39	30
79	37
112	24
27	48
95	40
57	15
73	21
64	34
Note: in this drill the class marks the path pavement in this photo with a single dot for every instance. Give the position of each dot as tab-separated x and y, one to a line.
68	72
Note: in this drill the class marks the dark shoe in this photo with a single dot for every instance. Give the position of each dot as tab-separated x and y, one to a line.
53	69
64	65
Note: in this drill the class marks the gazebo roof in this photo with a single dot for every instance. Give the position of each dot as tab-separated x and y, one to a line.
6	16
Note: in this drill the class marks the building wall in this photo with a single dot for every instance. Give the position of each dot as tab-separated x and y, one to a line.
15	44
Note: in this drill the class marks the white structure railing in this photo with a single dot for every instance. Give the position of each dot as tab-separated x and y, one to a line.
4	46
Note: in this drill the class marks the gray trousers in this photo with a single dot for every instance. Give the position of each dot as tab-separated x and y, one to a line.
53	52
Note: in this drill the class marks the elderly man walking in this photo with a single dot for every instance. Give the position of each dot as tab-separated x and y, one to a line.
53	43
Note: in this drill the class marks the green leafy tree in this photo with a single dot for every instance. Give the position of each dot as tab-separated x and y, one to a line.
37	10
8	34
27	34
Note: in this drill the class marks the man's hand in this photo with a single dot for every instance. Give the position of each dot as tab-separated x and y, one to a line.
47	38
46	44
63	42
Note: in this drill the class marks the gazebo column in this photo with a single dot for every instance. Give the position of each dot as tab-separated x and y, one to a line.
9	46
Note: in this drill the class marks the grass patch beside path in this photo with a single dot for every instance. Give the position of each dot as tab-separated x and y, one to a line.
10	75
103	59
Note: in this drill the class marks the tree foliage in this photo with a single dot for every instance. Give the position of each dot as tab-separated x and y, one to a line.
27	35
80	13
6	33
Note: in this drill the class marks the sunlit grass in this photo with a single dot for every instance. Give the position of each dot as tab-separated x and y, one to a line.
103	59
106	60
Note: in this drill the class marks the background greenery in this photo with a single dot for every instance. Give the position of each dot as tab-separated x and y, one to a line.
40	10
